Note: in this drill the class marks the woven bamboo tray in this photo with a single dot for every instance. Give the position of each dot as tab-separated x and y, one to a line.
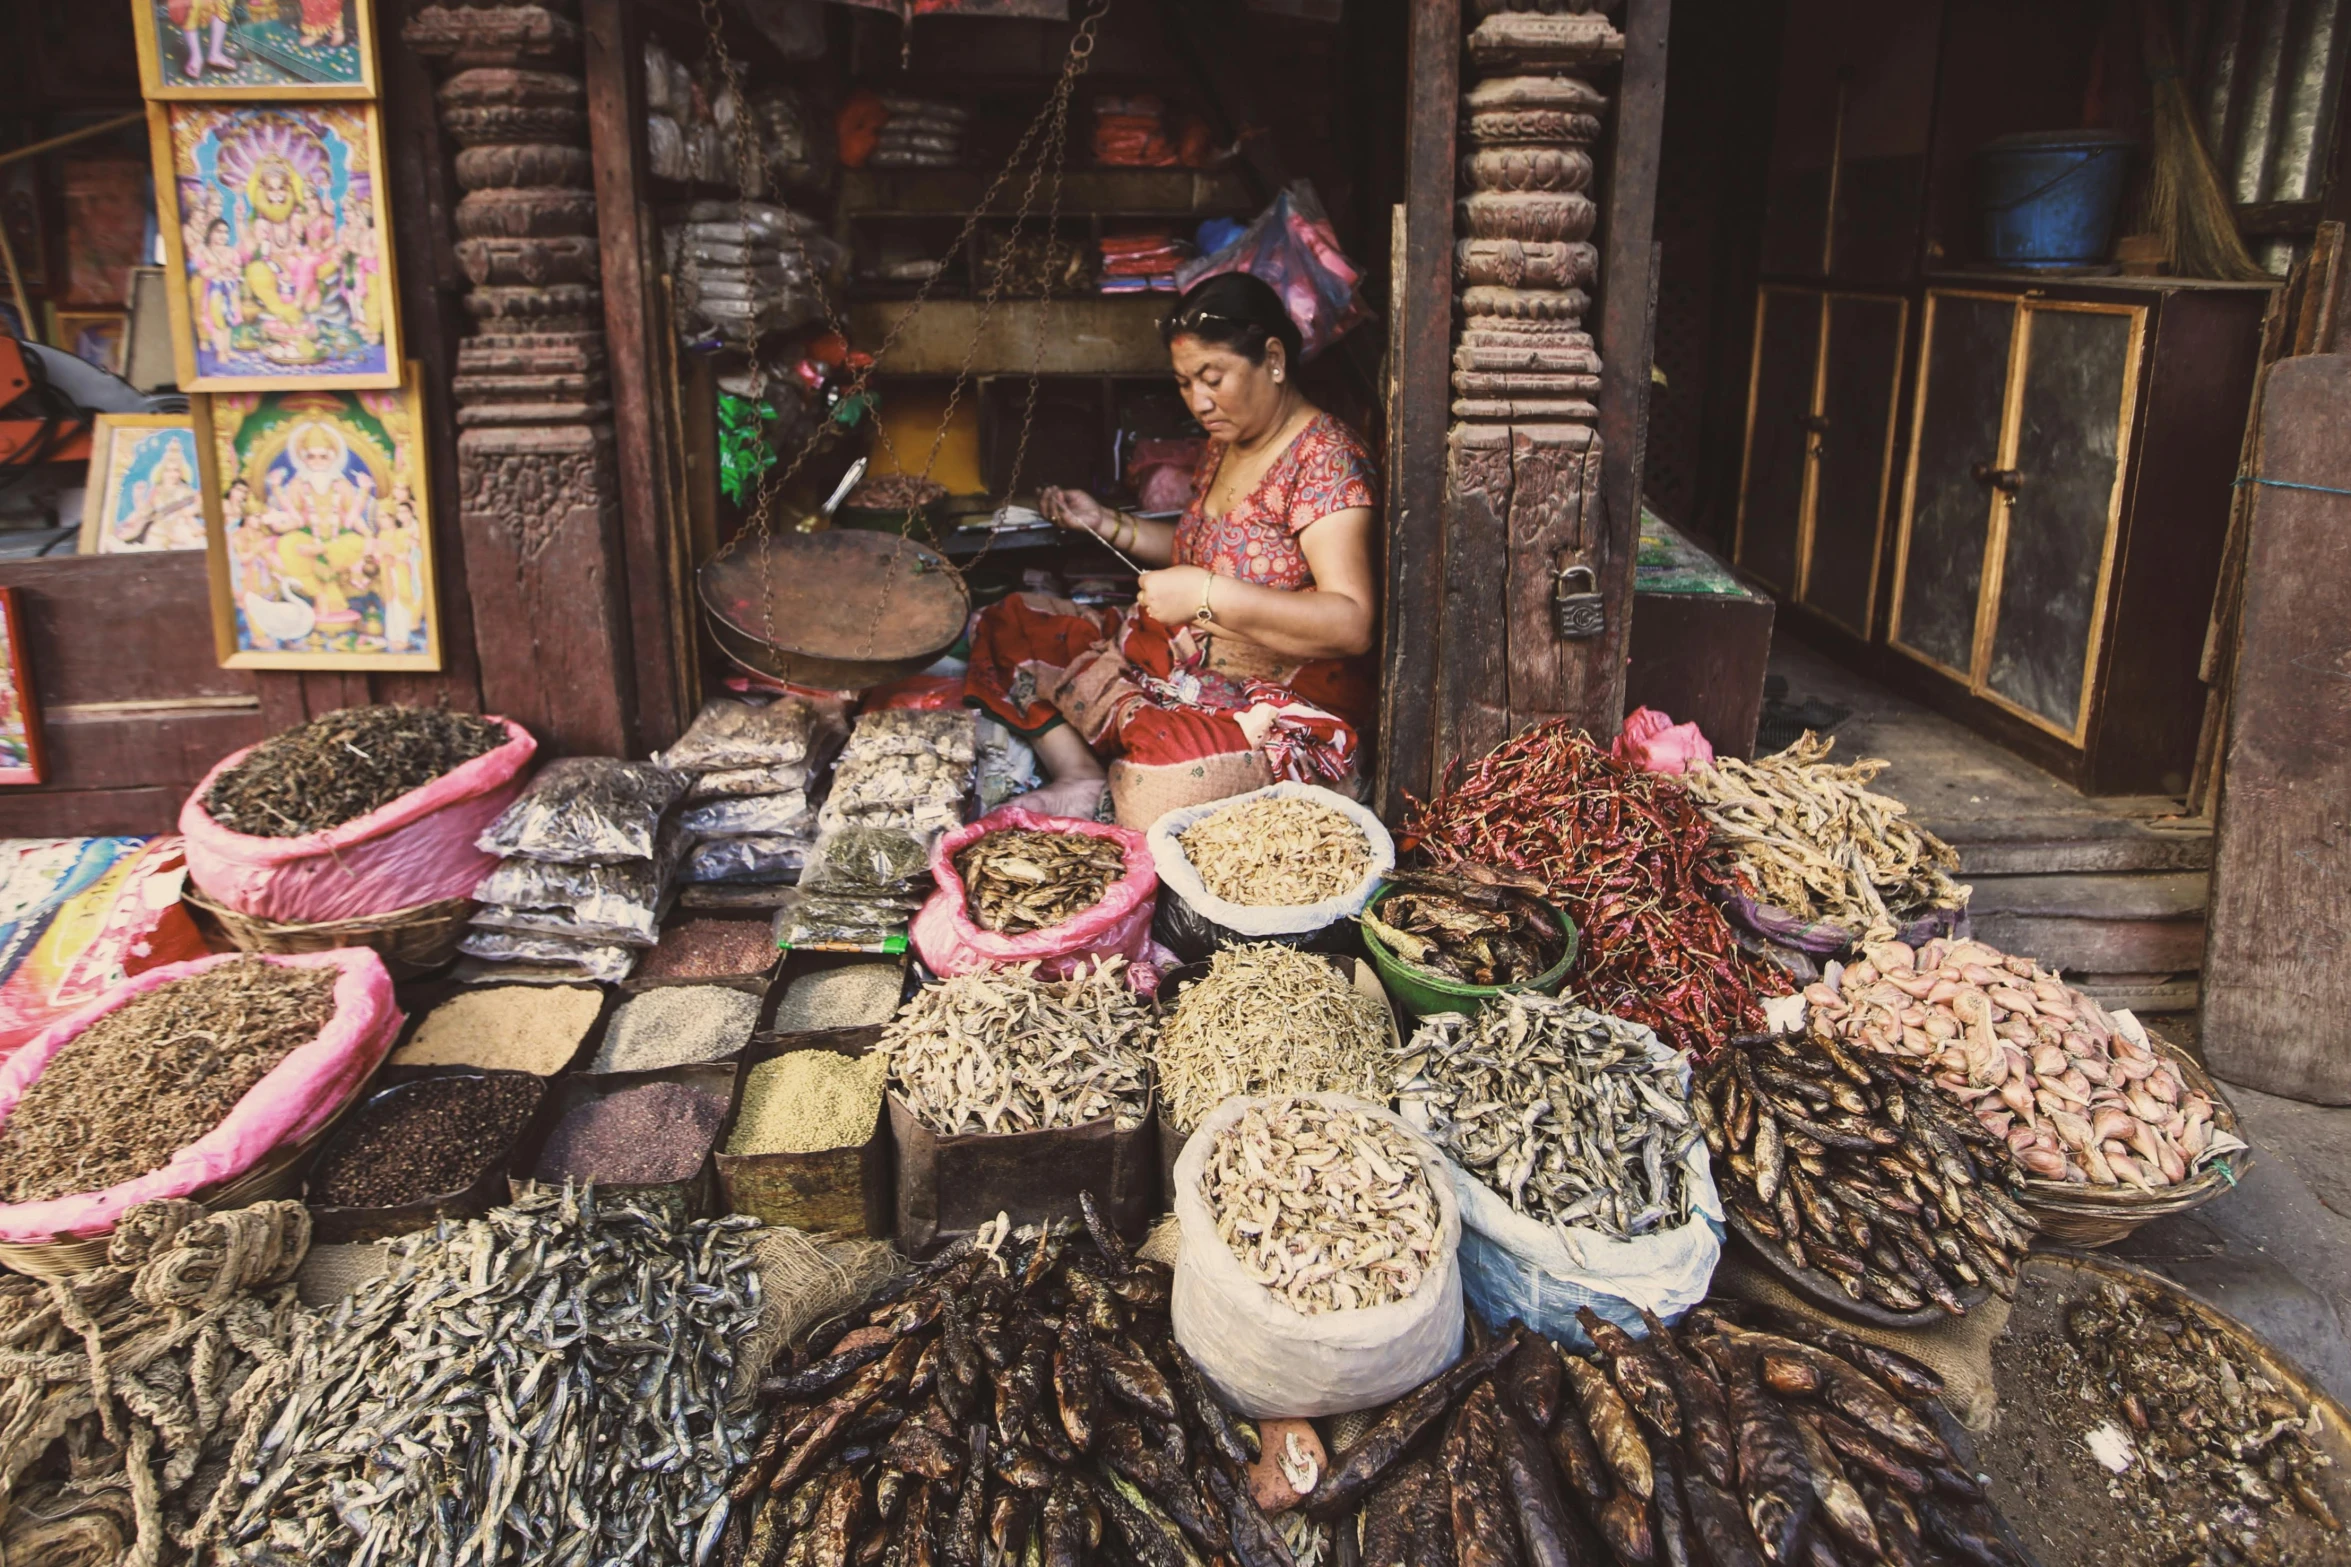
2078	1215
412	942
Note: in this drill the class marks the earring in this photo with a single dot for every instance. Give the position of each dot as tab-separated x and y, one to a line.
1277	375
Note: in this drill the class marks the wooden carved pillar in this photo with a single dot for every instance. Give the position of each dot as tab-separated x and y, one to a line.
537	481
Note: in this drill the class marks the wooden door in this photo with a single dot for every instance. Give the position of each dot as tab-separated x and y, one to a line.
1852	456
1782	392
1957	442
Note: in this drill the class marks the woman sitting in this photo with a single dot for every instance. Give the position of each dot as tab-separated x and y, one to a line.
1237	664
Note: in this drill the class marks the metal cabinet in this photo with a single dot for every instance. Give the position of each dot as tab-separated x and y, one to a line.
1823	393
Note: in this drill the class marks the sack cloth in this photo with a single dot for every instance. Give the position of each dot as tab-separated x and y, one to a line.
1196	921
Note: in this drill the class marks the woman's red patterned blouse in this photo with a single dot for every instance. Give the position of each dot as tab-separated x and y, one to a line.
1326	469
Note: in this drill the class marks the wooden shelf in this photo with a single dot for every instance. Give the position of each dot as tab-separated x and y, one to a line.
1140	193
1097	335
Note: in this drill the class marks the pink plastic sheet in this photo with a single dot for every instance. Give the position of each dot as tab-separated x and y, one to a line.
951	942
1655	743
299	1096
418	849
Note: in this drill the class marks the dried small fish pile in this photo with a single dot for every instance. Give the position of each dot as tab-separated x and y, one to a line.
1558	1108
1020	1401
545	1384
1017	880
1268	1019
1000	1050
1326	1207
136	1377
1480	927
1815	840
1856	1169
1711	1444
2080	1095
1277	852
1623	851
342	765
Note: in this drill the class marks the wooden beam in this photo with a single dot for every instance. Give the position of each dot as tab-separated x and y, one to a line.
1420	328
626	238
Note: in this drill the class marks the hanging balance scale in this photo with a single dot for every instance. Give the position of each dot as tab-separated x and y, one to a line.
853	608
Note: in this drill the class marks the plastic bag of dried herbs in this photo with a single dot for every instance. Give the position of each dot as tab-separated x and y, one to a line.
592	960
754	857
772	814
888	862
593	810
730	732
806	919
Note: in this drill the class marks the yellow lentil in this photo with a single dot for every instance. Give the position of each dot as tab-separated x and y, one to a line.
809	1101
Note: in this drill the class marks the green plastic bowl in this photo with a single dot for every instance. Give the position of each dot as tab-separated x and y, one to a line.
1421	993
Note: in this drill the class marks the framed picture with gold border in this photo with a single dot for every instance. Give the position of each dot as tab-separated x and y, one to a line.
145	487
318	527
21	757
225	51
96	337
277	254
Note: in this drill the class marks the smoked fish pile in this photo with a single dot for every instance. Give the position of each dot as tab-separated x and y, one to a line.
1714	1445
1018	1401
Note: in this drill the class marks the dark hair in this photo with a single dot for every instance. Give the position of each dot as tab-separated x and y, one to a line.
1233	310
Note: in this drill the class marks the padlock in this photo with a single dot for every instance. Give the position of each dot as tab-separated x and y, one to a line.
1577	616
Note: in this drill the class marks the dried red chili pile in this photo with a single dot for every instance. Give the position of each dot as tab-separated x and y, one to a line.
1624	852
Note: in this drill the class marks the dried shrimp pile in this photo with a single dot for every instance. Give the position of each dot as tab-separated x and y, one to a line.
188	1326
1017	880
2081	1096
1268	1019
1558	1108
1000	1050
1277	852
1327	1207
1814	839
548	1383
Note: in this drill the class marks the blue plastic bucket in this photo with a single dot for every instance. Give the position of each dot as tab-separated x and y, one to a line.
2049	198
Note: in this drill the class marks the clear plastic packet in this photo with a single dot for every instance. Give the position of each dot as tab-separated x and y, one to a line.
945	732
734	782
610	964
925	820
899	779
809	919
620	904
755	858
869	862
595	810
1006	769
730	732
769	814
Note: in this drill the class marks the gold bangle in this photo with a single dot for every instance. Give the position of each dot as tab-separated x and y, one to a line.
1205	615
1134	533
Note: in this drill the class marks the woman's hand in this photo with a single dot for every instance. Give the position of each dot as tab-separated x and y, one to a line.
1077	510
1171	597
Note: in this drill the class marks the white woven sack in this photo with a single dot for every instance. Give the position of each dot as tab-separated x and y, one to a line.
1266	1359
1176	872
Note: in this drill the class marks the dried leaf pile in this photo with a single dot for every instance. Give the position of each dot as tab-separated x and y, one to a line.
144	1371
1624	852
1855	1169
1000	1050
342	765
1268	1019
1815	840
545	1384
1277	852
1481	927
1711	1443
1327	1207
155	1074
2080	1096
1559	1109
1017	880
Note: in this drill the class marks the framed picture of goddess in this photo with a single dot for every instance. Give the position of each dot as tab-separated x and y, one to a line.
142	492
304	50
276	251
319	529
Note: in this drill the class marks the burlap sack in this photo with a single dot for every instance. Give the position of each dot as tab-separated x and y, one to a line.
1143	793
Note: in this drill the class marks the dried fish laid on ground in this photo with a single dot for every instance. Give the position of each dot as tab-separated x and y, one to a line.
1268	1019
1855	1168
1561	1110
2082	1096
1000	1050
1812	838
546	1384
1707	1443
343	765
1479	926
1327	1207
1017	880
1022	1399
137	1376
1277	852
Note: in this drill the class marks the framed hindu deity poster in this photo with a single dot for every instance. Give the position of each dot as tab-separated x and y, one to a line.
319	529
98	337
20	719
277	258
303	50
142	490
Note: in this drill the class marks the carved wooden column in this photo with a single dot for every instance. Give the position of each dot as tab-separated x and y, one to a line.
538	486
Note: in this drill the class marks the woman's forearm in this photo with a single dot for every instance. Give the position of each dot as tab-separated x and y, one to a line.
1313	623
1148	543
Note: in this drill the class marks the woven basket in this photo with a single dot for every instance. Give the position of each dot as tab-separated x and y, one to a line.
412	942
2078	1215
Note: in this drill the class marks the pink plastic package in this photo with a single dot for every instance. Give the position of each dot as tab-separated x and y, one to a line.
1655	743
299	1096
418	849
951	942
